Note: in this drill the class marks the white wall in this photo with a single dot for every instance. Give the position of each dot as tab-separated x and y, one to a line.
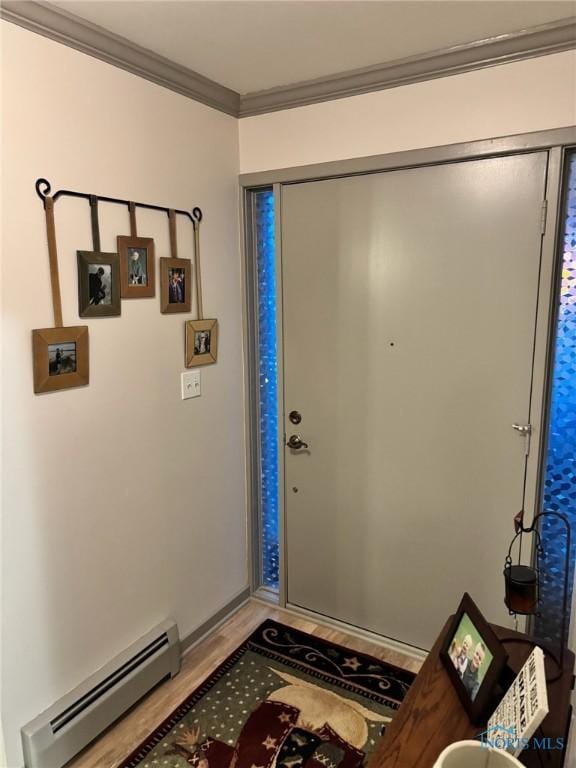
526	96
122	504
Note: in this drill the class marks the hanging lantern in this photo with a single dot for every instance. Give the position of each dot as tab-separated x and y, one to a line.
522	588
522	582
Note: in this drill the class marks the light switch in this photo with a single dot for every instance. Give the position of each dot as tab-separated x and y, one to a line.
191	384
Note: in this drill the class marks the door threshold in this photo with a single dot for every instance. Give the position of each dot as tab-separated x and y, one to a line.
266	595
418	654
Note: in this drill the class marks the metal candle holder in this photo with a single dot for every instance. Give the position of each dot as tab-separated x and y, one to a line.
523	581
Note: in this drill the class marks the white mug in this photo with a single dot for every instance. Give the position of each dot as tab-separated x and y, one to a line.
472	754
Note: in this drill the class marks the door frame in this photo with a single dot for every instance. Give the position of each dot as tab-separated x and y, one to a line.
556	143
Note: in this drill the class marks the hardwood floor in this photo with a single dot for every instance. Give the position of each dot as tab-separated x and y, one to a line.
114	745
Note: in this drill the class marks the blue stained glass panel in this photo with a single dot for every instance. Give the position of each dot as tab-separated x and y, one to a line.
267	385
560	478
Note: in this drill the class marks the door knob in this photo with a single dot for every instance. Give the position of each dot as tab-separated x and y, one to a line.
295	442
525	430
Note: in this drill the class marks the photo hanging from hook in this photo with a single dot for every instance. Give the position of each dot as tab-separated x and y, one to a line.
137	262
175	276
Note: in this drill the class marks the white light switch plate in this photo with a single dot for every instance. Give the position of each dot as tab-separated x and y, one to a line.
191	385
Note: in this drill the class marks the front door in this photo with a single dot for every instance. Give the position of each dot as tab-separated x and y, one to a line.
409	302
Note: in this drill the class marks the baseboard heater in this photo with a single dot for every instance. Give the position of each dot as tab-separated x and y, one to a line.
59	733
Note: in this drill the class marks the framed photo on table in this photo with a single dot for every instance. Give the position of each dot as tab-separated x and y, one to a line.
137	273
474	659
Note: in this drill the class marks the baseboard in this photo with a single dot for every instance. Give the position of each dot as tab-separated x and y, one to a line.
189	641
363	634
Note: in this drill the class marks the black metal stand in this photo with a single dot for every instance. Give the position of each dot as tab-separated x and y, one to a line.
530	529
43	189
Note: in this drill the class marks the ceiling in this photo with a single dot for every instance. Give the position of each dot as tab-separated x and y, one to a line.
253	45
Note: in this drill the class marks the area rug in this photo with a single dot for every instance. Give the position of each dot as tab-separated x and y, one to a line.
283	699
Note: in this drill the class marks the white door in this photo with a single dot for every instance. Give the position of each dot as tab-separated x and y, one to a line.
409	302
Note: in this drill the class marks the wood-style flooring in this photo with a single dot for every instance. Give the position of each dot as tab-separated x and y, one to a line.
117	743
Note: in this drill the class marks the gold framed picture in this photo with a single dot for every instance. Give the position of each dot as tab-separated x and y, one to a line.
175	285
137	267
201	342
61	358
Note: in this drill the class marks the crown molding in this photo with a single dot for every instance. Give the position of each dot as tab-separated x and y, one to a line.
536	41
64	27
71	30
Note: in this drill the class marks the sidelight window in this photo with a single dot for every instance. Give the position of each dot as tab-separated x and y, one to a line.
267	386
560	471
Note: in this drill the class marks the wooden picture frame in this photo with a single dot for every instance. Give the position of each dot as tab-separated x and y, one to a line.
61	358
137	267
175	285
471	646
201	342
98	284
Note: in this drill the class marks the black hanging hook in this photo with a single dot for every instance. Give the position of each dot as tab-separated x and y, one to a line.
196	216
43	189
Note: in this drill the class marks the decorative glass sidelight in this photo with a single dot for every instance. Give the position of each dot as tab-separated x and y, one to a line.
267	385
560	477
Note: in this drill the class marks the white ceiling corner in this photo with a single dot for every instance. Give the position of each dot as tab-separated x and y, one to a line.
254	45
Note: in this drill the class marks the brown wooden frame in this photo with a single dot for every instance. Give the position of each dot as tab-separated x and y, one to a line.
476	709
127	291
41	339
192	326
165	265
85	309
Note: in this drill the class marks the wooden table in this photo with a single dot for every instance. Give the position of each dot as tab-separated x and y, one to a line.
431	716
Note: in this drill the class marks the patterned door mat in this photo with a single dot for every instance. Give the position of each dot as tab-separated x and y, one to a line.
283	699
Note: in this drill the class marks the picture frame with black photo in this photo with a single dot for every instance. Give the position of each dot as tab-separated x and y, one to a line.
471	644
142	286
96	268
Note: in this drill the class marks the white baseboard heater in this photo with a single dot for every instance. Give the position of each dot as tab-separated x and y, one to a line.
59	733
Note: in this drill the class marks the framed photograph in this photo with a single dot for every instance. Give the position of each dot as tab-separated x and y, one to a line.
60	358
98	284
201	342
474	659
175	285
137	273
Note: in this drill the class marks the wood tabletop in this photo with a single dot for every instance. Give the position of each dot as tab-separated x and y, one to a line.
431	716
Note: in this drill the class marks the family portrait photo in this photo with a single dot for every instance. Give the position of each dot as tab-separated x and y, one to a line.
61	358
470	656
